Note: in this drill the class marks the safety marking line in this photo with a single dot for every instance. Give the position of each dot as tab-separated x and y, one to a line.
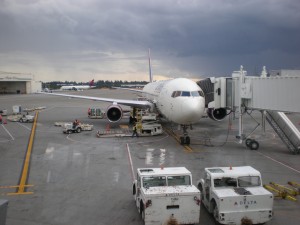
25	172
21	193
24	126
130	163
16	193
12	138
186	147
124	126
15	186
291	168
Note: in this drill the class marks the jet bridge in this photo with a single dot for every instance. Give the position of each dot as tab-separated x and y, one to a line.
271	95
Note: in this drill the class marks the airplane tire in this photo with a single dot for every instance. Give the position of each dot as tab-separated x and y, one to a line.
248	141
182	140
187	140
254	145
215	211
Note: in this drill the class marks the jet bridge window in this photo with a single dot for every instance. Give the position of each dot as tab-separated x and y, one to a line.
154	181
249	181
225	182
179	180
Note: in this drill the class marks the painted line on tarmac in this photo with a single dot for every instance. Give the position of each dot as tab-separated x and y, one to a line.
130	162
12	138
25	171
186	147
24	126
291	168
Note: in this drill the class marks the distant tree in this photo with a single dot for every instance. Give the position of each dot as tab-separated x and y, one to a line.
99	84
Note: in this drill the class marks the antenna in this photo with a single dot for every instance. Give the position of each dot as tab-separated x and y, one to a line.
150	73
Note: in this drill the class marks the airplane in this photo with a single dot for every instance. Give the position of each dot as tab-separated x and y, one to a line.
77	87
178	100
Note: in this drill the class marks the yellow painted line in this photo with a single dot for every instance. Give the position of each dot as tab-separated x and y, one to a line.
15	186
25	171
186	147
20	193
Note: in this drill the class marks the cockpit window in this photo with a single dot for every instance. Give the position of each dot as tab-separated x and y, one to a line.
197	93
185	93
176	94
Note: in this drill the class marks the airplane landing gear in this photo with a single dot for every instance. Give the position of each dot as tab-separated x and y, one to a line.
252	144
185	139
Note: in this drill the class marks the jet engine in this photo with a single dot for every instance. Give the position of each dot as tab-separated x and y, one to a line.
114	113
217	114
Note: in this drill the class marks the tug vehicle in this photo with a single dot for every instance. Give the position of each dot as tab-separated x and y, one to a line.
166	194
233	194
26	119
69	128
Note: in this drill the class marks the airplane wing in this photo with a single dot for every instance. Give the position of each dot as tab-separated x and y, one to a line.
129	89
132	103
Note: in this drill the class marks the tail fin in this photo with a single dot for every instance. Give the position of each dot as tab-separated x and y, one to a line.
150	72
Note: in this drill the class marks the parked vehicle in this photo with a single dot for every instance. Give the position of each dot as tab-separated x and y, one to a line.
26	119
235	193
166	194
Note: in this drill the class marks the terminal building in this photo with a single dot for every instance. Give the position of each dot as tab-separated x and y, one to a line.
18	83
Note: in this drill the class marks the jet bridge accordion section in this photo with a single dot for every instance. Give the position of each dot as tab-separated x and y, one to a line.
261	93
274	93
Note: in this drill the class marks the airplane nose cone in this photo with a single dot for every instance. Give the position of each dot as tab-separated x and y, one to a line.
192	109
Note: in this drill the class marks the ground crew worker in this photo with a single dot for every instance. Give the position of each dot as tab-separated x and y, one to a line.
75	123
135	130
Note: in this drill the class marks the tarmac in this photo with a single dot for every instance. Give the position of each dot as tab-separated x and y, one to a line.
79	179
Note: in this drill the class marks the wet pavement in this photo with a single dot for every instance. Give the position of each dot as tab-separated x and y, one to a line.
82	179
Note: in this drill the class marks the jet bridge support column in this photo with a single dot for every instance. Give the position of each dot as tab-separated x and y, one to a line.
241	92
240	108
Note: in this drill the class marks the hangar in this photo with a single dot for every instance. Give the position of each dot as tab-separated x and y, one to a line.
18	83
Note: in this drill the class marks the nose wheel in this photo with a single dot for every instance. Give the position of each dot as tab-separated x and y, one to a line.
185	139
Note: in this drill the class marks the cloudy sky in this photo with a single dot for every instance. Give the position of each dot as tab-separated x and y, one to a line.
78	40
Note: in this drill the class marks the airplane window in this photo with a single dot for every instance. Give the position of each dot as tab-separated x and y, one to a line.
177	93
185	93
201	93
197	93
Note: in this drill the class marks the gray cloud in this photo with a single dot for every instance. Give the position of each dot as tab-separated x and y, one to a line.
80	39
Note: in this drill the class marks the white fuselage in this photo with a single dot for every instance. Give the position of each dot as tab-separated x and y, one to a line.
177	100
75	87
